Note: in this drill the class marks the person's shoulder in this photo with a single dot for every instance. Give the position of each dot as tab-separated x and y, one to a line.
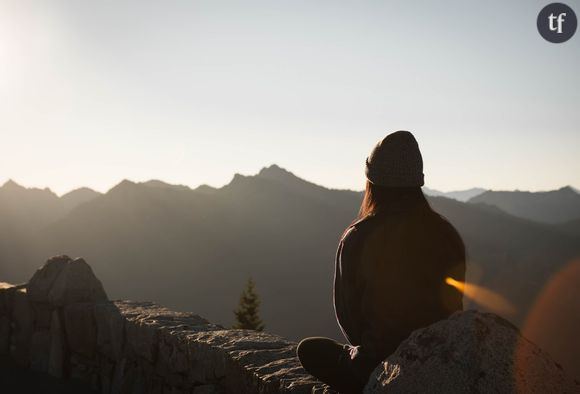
354	240
446	229
444	223
359	229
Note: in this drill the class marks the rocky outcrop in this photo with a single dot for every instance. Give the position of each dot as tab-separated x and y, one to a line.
63	281
62	323
470	352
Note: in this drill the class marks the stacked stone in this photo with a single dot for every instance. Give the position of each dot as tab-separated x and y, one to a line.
62	323
6	296
38	311
186	353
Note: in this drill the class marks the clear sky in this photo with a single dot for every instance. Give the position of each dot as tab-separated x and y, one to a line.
190	92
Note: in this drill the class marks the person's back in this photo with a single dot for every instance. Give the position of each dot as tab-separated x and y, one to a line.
391	269
391	272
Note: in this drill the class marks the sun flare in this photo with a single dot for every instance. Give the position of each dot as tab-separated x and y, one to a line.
483	296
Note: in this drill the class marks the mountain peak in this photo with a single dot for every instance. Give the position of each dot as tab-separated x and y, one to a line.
459	195
125	184
14	187
79	195
205	189
155	183
85	190
10	184
568	189
275	172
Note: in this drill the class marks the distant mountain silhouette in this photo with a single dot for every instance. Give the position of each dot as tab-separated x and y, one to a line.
192	249
23	213
556	206
205	189
459	195
25	208
77	197
31	208
163	185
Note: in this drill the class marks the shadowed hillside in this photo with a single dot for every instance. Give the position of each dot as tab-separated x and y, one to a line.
572	227
24	213
556	206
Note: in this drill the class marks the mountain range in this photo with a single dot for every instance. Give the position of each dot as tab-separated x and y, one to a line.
556	206
193	249
459	195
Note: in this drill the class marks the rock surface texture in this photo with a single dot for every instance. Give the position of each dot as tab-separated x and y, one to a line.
470	352
62	323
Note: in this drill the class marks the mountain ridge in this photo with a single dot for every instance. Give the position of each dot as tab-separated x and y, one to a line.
460	195
274	171
553	207
193	249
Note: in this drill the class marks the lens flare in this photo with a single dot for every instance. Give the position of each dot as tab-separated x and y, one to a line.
485	297
554	320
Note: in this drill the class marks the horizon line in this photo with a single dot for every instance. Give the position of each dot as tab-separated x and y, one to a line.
47	188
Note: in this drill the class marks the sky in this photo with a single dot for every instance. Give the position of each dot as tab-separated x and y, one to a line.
191	92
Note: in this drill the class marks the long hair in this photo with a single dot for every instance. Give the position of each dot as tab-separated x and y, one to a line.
378	198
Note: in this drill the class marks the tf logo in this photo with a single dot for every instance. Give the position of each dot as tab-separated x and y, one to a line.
557	22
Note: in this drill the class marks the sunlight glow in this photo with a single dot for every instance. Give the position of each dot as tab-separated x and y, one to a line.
485	297
554	322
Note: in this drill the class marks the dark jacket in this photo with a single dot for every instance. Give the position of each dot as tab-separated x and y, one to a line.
390	277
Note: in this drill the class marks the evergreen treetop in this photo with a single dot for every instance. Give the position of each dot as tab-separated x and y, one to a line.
247	316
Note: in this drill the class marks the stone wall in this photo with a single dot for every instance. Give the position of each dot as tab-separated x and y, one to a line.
62	323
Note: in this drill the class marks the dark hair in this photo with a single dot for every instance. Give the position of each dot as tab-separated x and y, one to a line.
376	198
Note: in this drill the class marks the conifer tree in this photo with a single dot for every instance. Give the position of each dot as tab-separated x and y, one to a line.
246	313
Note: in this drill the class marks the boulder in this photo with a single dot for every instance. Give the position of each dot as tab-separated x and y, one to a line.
43	279
7	297
57	346
172	352
4	302
40	351
80	329
23	319
42	315
106	375
119	376
110	330
143	338
470	352
4	335
76	283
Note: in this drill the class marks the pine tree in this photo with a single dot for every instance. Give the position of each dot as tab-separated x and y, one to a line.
246	313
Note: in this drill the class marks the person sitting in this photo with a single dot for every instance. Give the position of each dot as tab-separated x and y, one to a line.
391	268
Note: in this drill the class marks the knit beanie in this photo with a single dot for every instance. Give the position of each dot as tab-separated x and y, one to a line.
396	162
